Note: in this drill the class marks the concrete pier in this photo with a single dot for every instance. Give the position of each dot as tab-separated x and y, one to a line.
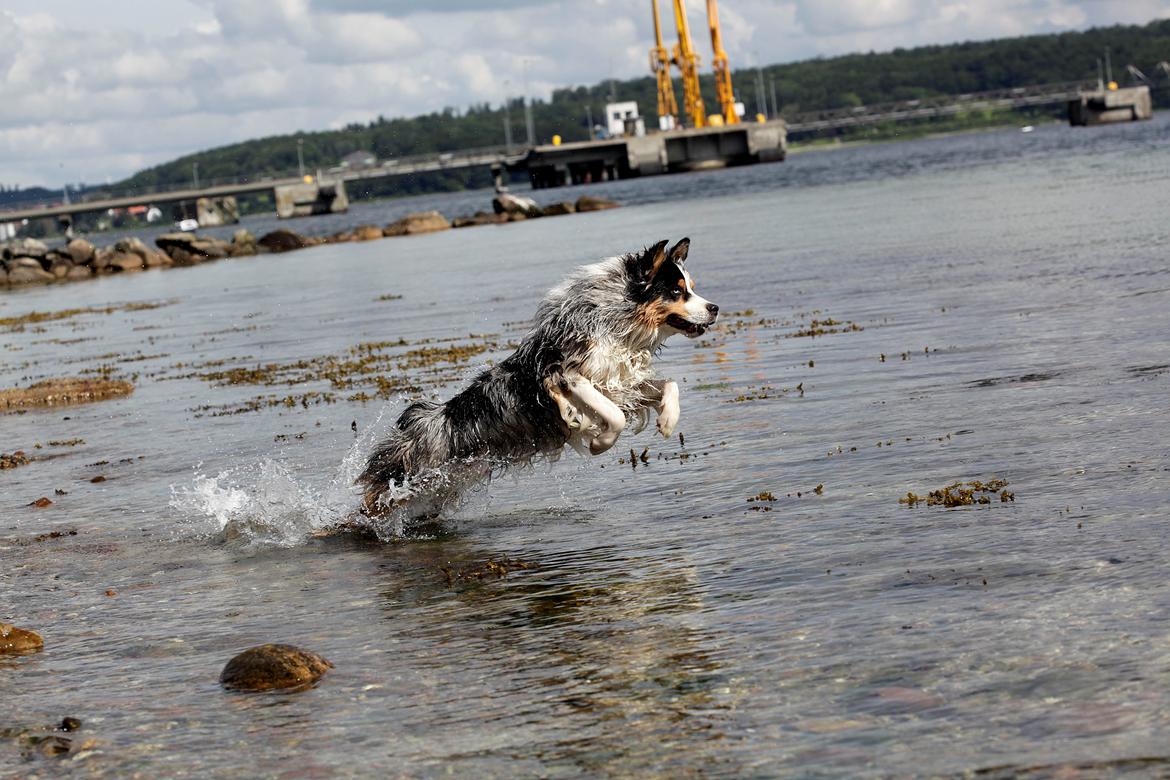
307	199
1104	106
648	155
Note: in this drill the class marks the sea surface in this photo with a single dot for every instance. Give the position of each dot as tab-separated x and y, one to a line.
747	599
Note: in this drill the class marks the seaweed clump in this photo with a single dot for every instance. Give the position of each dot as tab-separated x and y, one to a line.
14	460
67	390
962	494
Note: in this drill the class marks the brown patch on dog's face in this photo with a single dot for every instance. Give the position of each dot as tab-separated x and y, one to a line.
654	313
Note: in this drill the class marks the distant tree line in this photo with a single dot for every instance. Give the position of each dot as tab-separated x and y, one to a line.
807	86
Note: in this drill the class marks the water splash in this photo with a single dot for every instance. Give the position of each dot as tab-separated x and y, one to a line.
264	503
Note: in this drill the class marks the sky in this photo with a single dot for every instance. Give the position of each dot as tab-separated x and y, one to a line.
92	92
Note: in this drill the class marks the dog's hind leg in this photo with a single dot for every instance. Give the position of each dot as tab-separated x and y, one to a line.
586	396
573	417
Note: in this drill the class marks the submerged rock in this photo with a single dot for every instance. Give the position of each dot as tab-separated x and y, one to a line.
66	390
594	203
419	222
15	640
273	667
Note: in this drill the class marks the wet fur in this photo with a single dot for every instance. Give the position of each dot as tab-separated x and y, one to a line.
598	329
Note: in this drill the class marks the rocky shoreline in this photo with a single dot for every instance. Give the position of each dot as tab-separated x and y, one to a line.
28	261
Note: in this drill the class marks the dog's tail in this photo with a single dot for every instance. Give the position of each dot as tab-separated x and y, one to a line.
419	442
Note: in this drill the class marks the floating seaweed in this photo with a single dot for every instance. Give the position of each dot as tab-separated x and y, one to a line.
962	494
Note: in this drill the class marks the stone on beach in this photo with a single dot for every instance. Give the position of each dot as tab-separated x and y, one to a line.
67	390
273	667
15	640
419	222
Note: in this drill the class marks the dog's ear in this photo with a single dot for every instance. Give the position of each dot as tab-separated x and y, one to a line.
650	261
678	252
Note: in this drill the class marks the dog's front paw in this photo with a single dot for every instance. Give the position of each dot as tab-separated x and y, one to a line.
667	420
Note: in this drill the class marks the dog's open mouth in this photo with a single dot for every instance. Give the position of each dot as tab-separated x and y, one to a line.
692	329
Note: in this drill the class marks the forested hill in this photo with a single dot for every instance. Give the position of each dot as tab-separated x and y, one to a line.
810	85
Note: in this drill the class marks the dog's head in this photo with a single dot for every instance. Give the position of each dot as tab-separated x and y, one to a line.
665	293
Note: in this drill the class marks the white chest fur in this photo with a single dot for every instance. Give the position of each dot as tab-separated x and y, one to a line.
619	373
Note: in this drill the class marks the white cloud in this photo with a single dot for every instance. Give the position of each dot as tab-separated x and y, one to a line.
99	90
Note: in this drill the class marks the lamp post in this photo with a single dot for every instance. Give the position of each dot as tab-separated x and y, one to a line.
528	126
195	173
301	157
507	117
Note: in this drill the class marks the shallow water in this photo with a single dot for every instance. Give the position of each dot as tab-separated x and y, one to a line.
663	624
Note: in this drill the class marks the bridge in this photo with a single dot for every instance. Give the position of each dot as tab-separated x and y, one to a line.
935	107
403	166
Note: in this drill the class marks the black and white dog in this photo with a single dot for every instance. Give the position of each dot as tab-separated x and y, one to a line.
578	376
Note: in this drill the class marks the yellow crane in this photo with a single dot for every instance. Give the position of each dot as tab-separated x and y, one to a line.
720	65
660	67
687	62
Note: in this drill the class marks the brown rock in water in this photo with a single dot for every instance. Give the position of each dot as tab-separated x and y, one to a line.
479	218
42	502
507	203
419	222
593	203
67	390
244	244
283	241
79	272
60	268
367	233
189	248
81	251
24	247
557	209
15	640
273	667
123	262
26	270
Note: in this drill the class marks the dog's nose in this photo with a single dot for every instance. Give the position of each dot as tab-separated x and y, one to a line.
713	309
